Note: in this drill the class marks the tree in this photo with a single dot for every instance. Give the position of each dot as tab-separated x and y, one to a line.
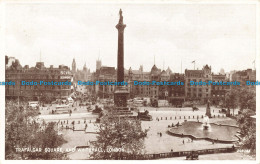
247	105
119	138
248	129
232	101
23	130
247	99
47	138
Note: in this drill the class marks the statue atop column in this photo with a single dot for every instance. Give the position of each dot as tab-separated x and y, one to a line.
121	17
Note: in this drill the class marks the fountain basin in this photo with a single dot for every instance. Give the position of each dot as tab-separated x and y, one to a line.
216	133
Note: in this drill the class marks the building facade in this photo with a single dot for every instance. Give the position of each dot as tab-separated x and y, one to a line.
200	93
16	73
219	92
176	93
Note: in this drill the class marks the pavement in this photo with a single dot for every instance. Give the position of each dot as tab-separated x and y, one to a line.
154	143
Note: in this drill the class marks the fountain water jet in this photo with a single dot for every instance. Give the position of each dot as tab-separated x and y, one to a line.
206	124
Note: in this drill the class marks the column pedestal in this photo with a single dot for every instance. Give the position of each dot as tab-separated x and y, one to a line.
120	100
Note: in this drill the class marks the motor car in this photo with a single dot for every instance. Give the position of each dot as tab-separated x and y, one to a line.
193	156
195	108
223	110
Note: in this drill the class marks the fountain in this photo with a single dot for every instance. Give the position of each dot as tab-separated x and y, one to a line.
205	124
205	130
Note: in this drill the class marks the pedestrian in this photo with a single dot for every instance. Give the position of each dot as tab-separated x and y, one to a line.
183	142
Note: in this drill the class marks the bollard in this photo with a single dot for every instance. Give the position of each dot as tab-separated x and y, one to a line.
175	117
193	116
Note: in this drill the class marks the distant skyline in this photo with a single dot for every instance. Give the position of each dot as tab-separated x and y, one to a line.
220	35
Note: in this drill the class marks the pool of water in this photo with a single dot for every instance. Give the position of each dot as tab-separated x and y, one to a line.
216	132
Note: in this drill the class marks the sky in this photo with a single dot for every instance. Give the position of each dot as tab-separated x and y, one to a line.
220	35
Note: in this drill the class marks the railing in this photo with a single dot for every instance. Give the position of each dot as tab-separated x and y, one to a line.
179	154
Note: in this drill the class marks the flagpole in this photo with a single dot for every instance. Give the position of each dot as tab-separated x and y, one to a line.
181	66
194	64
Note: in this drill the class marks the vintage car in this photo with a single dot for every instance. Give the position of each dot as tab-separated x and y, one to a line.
144	116
195	108
193	156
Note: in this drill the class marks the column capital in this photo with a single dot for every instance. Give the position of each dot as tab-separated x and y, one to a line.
120	27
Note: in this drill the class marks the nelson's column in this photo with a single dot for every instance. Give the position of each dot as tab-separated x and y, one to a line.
121	92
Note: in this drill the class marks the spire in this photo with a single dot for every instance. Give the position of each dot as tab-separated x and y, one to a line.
40	55
73	65
98	54
181	66
163	64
